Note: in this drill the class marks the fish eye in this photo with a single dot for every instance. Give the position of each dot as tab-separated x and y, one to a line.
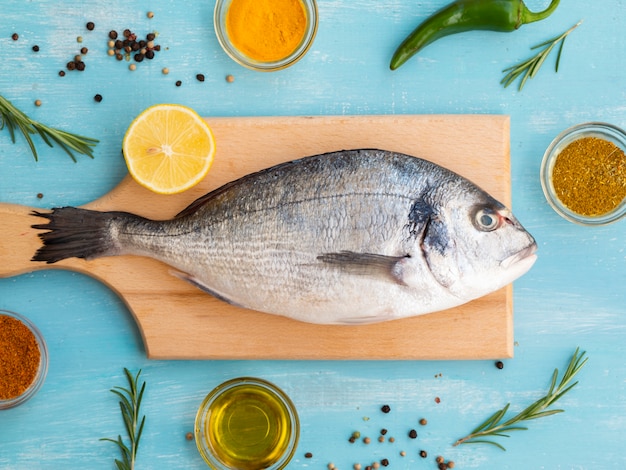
486	220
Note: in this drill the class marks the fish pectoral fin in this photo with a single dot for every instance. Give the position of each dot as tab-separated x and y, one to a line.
202	286
368	264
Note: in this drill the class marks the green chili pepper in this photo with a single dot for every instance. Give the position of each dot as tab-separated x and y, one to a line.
468	15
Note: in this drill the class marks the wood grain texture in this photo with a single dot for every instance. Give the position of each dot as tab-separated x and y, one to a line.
175	318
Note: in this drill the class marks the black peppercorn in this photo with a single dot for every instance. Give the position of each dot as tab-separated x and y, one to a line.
98	97
35	48
15	36
150	36
84	50
71	65
113	34
383	431
423	454
384	462
61	73
80	66
385	409
308	455
90	26
412	433
500	365
138	57
149	54
178	83
200	77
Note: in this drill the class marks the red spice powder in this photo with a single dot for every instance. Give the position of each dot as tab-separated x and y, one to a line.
19	357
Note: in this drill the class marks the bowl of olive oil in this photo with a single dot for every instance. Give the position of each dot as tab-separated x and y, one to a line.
247	424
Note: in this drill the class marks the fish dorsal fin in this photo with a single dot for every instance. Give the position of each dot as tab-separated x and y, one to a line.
368	264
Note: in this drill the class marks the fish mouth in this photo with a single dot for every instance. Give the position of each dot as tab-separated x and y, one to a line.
527	255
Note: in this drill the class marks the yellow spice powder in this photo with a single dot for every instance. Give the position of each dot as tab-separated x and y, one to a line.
589	176
266	30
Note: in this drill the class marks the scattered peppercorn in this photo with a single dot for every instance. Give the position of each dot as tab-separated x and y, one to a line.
132	67
442	466
375	465
439	459
392	439
61	73
308	455
383	431
423	422
437	400
384	462
331	466
178	83
39	195
15	36
366	440
35	48
37	102
230	78
385	409
189	436
79	39
402	453
165	71
412	433
381	438
500	365
84	50
80	66
423	454
200	77
90	26
150	14
98	98
450	464
357	466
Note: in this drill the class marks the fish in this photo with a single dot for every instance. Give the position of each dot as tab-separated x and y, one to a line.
342	238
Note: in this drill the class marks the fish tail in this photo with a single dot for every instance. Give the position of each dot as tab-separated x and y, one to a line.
74	233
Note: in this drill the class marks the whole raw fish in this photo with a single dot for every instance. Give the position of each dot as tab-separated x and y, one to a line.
356	236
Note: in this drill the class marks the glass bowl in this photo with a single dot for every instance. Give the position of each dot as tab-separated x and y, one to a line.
600	130
42	367
310	30
247	424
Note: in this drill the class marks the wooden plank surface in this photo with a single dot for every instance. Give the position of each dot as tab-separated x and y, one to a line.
178	321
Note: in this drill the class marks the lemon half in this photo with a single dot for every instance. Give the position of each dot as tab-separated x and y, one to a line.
168	148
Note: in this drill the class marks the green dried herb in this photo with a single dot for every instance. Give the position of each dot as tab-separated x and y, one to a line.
530	67
497	426
130	401
14	119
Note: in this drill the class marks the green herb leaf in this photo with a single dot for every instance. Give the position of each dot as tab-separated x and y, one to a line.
14	119
529	68
130	401
494	425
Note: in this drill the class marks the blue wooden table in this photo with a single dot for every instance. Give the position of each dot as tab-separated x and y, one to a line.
574	295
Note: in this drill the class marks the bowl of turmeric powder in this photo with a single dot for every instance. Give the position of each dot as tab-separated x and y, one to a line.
23	359
583	174
265	35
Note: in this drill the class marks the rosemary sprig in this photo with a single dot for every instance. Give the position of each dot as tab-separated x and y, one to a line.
16	120
495	426
530	67
130	401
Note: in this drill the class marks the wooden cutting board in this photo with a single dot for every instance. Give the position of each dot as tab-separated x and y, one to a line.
178	321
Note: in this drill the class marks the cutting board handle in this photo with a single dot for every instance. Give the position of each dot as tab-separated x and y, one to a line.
19	241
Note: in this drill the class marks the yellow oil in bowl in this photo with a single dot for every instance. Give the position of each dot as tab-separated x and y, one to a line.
247	424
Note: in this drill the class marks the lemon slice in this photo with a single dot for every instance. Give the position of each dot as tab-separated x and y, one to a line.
168	148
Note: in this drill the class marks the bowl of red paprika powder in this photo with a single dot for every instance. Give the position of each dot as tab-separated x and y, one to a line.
583	174
23	359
